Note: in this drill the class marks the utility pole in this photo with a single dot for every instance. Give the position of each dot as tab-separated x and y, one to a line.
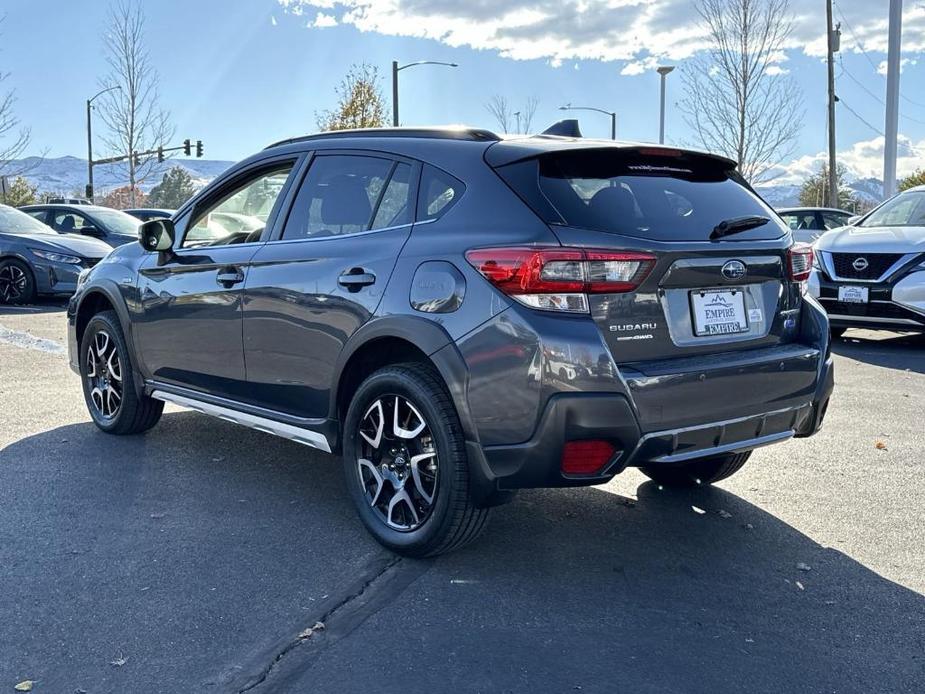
892	98
833	40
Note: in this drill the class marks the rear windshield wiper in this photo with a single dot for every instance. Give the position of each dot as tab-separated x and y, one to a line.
737	224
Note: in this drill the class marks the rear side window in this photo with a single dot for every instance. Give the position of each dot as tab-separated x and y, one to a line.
439	193
653	197
340	195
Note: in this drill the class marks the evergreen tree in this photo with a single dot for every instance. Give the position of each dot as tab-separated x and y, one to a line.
915	179
175	188
21	193
815	190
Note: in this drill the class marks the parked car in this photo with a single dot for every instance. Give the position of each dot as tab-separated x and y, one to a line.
405	288
872	274
106	224
809	223
146	213
36	260
67	201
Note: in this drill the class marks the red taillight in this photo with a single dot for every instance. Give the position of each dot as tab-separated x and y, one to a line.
566	273
586	457
800	261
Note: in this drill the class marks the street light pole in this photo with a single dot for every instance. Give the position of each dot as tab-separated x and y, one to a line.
612	114
663	71
90	101
396	68
891	131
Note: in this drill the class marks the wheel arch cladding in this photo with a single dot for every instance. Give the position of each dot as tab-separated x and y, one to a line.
396	339
102	298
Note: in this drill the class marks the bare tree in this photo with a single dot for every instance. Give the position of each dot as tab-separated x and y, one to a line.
359	101
132	114
14	139
737	100
509	120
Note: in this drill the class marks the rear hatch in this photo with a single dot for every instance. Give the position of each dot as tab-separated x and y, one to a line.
704	291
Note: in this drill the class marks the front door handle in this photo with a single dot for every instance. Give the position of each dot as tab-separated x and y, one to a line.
228	276
356	278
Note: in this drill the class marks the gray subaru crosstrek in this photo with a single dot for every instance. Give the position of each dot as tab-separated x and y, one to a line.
459	315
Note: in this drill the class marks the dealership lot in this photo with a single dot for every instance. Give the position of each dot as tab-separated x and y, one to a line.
204	557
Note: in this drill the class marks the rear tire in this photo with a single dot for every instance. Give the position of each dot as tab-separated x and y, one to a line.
17	283
411	492
697	472
107	375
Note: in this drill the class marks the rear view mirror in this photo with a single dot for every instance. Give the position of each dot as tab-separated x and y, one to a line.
156	235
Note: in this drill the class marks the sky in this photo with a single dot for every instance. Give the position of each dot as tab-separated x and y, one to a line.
239	74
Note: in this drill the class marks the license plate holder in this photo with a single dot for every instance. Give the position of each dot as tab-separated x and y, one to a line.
853	294
719	311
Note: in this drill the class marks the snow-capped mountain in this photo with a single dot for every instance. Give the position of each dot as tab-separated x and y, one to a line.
68	175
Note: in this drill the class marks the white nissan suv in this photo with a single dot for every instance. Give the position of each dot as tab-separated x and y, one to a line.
872	274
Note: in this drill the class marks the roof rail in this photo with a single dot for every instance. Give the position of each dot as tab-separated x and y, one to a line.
436	133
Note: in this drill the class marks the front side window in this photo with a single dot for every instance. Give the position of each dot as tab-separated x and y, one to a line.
69	222
241	215
348	194
116	221
905	210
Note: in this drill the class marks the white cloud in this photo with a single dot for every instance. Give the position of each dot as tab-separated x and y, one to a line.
640	33
863	160
882	67
323	20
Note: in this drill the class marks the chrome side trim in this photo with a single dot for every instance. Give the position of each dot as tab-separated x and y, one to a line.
269	426
829	265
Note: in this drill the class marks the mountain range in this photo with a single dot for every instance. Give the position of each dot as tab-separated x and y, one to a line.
68	176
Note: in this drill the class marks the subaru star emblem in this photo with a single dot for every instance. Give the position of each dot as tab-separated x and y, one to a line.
734	270
860	264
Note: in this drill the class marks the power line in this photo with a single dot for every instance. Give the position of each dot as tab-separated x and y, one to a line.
845	71
870	60
861	118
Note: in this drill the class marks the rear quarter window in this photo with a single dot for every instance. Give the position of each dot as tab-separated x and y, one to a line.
439	193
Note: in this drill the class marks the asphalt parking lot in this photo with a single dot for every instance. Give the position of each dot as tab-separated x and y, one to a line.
201	556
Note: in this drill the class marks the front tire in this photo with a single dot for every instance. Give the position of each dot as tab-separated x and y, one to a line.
107	374
406	465
697	473
17	284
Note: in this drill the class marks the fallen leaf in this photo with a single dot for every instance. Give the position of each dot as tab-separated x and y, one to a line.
880	446
24	686
157	516
749	526
119	662
804	567
724	514
800	586
698	510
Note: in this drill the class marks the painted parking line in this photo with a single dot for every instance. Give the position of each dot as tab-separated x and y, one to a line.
25	340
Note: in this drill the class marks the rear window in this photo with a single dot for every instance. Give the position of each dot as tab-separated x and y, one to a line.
660	198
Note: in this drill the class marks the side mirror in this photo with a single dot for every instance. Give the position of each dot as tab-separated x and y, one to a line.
156	235
854	220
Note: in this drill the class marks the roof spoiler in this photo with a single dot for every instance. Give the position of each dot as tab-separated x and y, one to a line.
564	128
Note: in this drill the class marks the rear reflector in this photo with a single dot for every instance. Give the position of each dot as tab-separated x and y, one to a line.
586	457
560	278
800	261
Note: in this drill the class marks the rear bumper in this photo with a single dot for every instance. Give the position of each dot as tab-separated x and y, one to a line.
611	417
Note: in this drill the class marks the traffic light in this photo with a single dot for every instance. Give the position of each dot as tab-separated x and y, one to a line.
198	148
160	155
187	147
137	158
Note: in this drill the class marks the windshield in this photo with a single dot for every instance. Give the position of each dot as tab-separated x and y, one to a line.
116	222
905	210
12	221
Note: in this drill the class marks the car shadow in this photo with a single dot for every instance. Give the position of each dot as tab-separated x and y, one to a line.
190	548
903	351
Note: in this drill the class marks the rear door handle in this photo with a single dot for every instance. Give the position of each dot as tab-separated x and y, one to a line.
228	276
356	278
